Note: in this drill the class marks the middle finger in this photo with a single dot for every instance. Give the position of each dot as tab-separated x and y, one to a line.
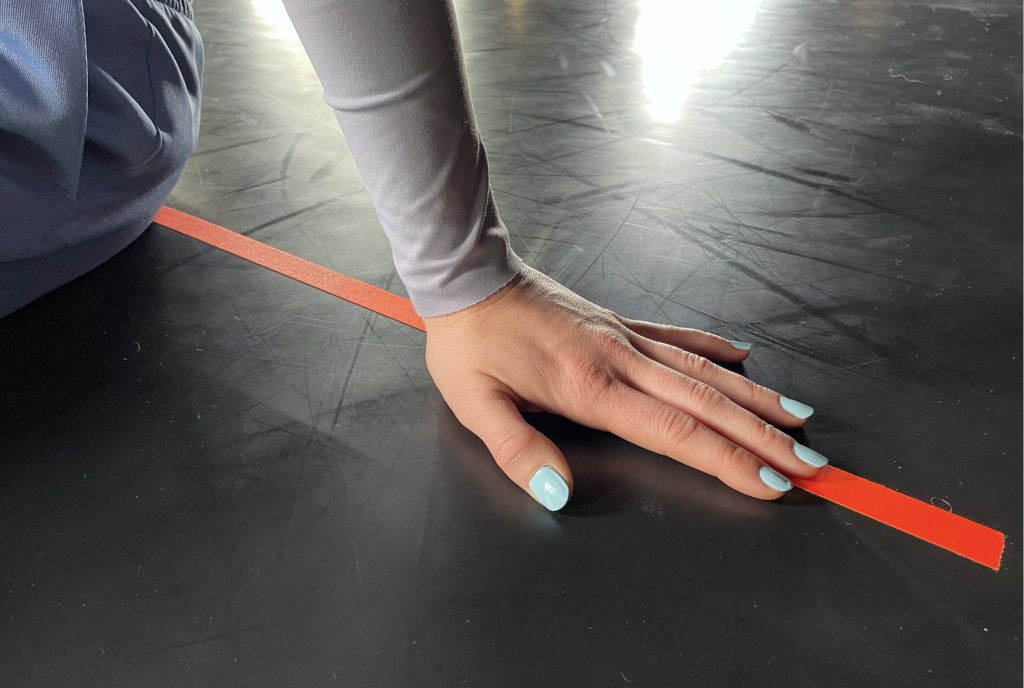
715	410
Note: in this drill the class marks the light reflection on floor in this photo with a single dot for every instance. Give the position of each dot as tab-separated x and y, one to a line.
680	40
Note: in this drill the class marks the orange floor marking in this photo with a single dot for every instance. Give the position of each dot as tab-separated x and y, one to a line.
955	533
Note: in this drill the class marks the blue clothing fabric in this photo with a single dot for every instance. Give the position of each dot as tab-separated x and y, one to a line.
99	111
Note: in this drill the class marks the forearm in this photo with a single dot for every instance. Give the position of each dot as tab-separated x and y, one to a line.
393	73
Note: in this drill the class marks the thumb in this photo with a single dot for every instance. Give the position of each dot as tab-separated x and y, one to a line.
530	459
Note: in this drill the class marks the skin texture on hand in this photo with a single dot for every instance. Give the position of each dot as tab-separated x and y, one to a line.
535	345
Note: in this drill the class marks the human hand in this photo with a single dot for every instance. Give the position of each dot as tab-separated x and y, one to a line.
535	345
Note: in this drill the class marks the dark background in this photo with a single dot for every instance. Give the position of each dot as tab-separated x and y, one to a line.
211	475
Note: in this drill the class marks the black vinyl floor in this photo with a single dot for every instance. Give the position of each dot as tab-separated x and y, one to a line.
212	475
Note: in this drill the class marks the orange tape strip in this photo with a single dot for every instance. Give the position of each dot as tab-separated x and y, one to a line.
966	538
360	293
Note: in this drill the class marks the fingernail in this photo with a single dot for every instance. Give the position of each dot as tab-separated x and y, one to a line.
796	408
549	488
743	346
809	456
774	480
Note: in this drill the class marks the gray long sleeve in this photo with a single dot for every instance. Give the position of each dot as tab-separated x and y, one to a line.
393	72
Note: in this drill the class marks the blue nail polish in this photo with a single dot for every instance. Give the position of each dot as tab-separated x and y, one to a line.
743	346
774	480
549	488
796	408
809	456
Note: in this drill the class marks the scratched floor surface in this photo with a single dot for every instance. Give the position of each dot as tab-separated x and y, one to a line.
211	475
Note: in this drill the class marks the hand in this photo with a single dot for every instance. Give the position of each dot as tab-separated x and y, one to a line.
535	345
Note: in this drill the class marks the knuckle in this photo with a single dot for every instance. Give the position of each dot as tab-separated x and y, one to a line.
767	434
609	341
761	395
705	398
732	460
677	428
510	448
696	366
589	378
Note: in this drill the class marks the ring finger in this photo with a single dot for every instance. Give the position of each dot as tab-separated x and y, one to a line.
715	410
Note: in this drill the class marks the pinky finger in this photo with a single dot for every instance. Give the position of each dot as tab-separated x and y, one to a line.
701	343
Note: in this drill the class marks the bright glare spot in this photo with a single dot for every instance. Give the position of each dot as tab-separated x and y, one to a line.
274	13
678	39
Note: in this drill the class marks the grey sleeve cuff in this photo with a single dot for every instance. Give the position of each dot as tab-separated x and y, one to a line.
457	266
393	72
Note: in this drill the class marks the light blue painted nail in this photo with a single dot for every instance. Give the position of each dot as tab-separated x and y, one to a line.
796	408
774	480
809	456
744	346
549	488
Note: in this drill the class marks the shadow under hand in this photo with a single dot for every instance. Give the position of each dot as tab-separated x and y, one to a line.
611	476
